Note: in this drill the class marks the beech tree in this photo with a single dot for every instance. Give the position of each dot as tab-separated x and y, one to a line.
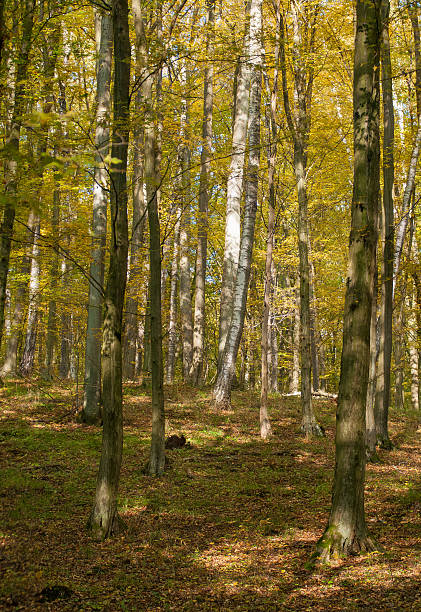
91	400
346	531
104	518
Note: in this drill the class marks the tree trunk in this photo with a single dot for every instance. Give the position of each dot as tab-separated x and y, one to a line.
399	350
346	531
265	427
51	341
185	273
21	295
385	352
406	201
12	143
295	372
66	328
202	221
172	325
28	356
234	191
371	430
104	519
413	360
222	389
299	127
91	412
153	324
131	346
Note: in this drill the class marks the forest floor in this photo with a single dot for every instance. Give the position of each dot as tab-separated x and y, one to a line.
231	525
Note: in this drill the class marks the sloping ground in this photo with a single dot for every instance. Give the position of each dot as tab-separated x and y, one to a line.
231	525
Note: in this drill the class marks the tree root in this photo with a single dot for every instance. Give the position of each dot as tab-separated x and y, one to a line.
265	429
385	444
311	430
104	529
223	404
333	547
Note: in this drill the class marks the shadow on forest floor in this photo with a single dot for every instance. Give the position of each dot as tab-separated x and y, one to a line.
230	526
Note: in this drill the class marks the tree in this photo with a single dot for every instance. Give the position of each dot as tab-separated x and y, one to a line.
12	143
202	222
104	520
234	191
222	389
92	388
304	23
346	531
272	133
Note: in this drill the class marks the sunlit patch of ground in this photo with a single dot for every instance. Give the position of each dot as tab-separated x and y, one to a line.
231	525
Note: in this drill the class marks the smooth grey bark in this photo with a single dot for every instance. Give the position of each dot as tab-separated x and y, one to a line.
299	127
20	300
153	323
371	430
132	346
91	412
406	202
186	312
346	531
202	219
387	227
12	144
51	339
272	132
416	275
413	359
234	191
172	324
28	354
222	388
295	372
104	520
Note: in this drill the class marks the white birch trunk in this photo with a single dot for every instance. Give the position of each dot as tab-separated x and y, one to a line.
234	191
222	389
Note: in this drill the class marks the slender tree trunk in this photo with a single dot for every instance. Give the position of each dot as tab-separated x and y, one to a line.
222	389
202	221
172	325
28	356
91	412
139	207
273	340
265	427
51	340
234	191
153	323
346	531
406	202
21	295
185	273
157	454
371	430
399	350
12	141
295	373
385	319
66	328
104	518
413	360
299	127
